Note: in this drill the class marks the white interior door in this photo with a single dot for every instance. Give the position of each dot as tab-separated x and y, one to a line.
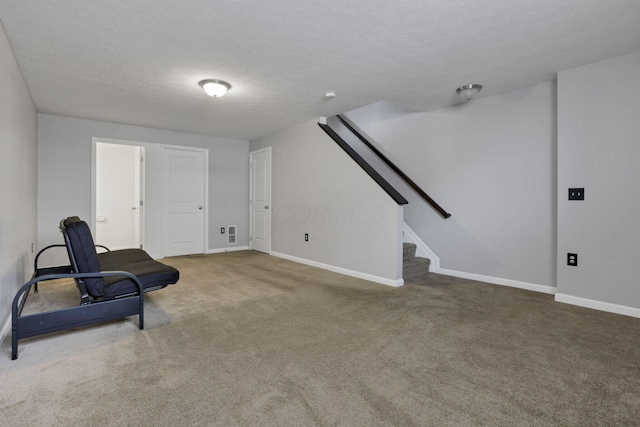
118	195
184	201
260	200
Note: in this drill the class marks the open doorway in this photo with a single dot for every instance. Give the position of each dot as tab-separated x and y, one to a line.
119	186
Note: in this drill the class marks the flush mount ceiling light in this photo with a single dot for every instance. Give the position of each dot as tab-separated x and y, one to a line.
215	87
468	91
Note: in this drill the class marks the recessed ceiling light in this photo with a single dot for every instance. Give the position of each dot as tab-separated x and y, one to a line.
215	87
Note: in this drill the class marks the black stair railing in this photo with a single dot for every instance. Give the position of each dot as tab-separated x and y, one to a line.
397	170
383	183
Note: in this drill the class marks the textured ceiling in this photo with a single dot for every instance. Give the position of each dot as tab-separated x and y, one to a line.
139	62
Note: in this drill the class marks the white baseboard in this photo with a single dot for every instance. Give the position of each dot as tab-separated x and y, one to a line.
233	249
499	281
345	271
422	250
598	305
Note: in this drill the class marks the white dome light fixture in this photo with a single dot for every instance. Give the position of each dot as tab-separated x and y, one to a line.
215	87
469	91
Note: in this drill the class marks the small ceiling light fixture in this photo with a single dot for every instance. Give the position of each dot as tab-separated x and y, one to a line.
330	95
215	87
469	91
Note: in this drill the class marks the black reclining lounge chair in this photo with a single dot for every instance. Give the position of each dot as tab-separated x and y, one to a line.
112	285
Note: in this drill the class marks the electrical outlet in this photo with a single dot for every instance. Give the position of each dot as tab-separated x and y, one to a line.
221	230
306	237
576	194
572	260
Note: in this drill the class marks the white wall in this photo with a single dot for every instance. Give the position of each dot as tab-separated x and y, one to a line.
599	149
17	180
64	173
317	189
491	164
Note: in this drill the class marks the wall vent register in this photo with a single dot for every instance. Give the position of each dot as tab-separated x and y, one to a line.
231	235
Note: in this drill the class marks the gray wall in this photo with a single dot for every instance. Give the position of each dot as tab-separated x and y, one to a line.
17	179
64	173
491	164
318	189
599	149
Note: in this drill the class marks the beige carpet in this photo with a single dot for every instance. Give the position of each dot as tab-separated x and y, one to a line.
246	339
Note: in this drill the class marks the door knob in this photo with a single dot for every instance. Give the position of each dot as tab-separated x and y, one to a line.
200	207
266	207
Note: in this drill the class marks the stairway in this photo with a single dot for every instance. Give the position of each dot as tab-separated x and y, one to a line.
413	268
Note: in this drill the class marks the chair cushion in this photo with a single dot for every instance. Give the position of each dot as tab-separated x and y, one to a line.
151	273
84	252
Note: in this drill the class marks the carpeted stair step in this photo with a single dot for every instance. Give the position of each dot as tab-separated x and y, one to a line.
413	268
408	251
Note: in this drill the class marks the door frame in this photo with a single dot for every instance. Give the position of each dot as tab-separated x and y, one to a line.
142	145
251	221
163	201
